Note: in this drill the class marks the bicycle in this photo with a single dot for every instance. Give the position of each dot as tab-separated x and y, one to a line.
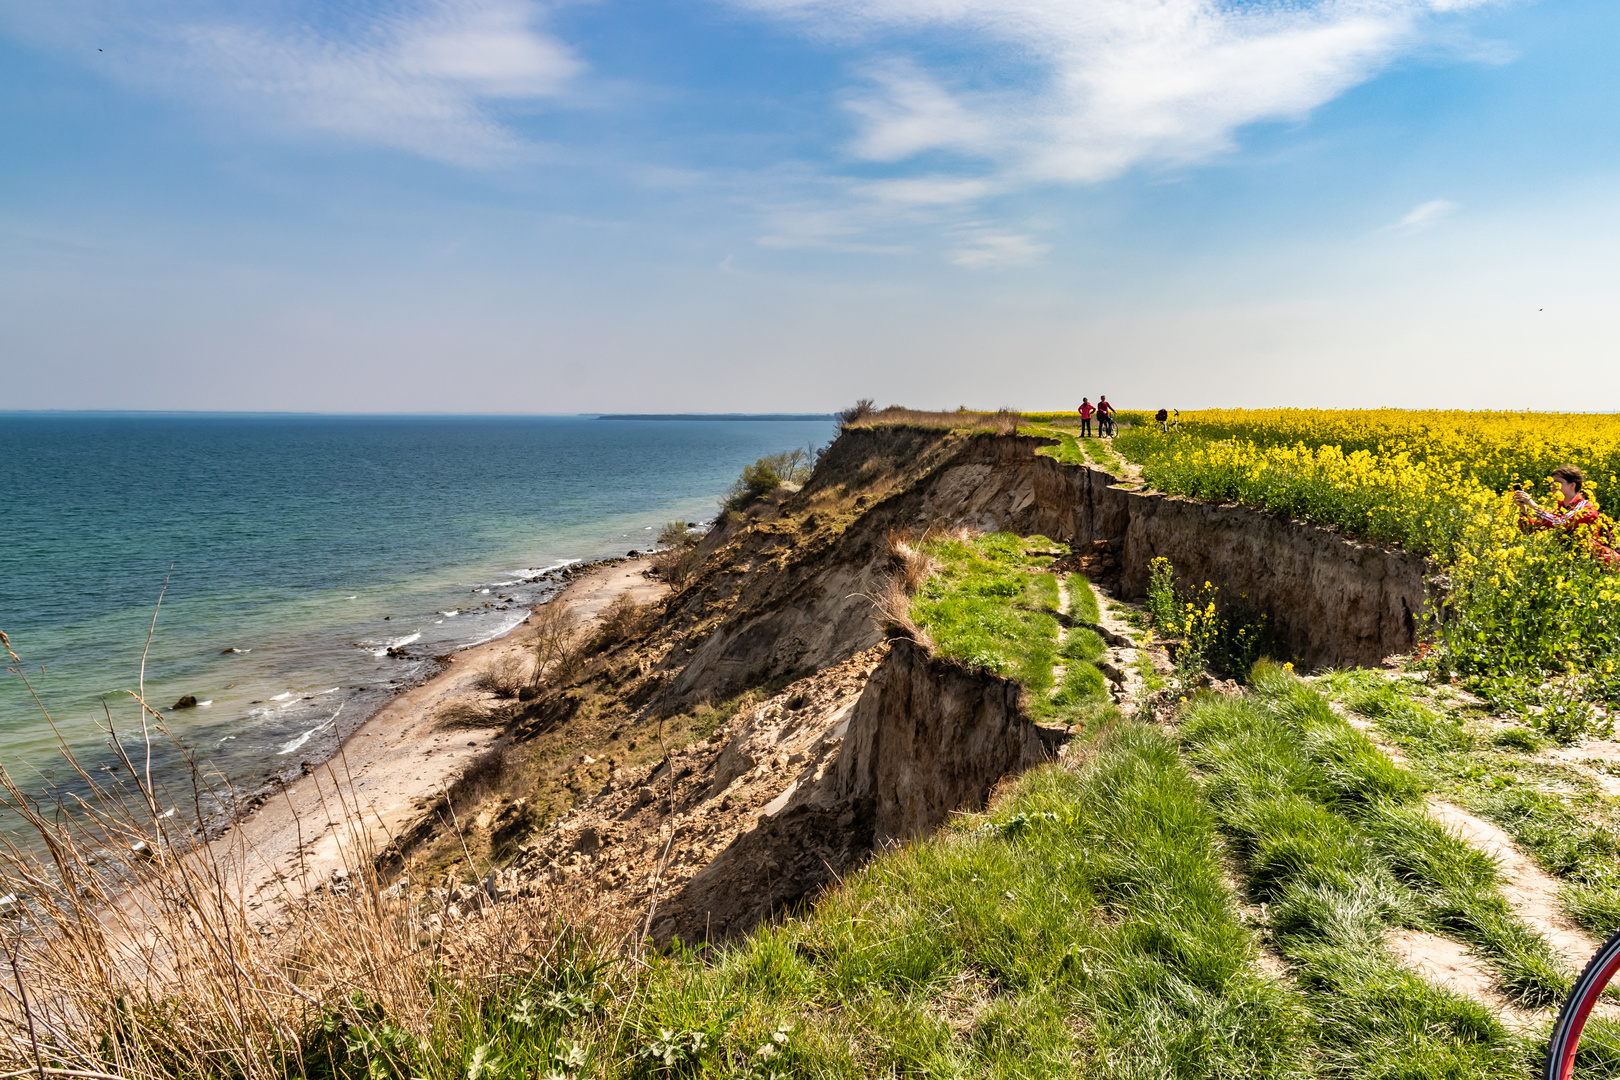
1571	1022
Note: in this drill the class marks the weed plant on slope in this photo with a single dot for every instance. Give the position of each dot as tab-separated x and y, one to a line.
1334	838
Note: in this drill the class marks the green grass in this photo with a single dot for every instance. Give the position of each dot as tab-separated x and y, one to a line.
1557	814
1335	837
986	609
990	606
1082	929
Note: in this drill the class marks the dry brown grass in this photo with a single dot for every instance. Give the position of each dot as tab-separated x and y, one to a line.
506	676
912	565
140	955
891	605
1003	421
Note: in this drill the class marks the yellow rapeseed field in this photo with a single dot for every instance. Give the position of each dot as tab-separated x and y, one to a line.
1524	612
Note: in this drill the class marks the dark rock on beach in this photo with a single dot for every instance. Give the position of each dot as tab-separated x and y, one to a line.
187	702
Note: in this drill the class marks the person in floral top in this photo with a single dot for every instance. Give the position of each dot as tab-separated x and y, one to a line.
1577	516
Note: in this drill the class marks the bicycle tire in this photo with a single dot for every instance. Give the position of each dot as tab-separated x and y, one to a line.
1566	1032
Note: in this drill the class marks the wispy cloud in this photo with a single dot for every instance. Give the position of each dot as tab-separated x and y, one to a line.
1090	88
422	76
1424	215
989	249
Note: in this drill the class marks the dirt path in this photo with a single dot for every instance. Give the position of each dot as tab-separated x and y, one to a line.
1532	892
391	767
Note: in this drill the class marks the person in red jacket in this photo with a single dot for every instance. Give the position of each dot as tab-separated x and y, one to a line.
1105	416
1086	411
1576	516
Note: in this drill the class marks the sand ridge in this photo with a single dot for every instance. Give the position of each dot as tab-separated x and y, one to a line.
389	769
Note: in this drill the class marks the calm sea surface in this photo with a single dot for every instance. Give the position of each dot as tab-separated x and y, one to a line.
297	550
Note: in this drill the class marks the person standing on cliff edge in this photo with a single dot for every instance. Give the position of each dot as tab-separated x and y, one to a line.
1105	416
1086	409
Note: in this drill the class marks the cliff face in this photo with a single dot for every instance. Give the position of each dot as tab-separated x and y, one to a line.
925	738
1333	600
868	742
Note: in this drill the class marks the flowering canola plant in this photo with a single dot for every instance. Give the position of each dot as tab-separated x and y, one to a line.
1522	610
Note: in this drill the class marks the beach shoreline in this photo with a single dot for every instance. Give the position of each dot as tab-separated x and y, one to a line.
392	768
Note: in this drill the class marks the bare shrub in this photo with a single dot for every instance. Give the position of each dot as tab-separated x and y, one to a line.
912	565
472	712
621	621
855	414
557	654
481	777
1005	421
506	676
677	565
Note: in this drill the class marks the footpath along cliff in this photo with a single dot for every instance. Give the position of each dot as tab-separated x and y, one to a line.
726	751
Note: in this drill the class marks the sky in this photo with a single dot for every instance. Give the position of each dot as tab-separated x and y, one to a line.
526	206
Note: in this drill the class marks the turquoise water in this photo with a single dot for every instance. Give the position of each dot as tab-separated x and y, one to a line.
296	551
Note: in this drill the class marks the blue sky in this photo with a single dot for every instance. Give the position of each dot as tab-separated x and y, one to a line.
522	206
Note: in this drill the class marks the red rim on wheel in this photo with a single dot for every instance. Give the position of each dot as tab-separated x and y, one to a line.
1566	1033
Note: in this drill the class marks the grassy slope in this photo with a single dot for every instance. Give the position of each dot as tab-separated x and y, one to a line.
1557	813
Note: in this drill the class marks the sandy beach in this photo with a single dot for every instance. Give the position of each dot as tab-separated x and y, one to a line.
392	767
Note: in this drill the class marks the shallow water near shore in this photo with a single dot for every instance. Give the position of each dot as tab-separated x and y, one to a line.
297	551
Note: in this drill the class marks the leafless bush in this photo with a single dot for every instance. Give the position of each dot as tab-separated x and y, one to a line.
677	565
912	565
1005	421
473	712
506	676
622	619
479	778
855	413
557	654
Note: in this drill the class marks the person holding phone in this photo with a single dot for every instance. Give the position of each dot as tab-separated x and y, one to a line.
1576	516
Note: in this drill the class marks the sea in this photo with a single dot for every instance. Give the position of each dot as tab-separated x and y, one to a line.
308	567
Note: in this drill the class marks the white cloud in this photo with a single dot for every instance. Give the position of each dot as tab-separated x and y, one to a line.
1424	215
1099	86
990	250
418	76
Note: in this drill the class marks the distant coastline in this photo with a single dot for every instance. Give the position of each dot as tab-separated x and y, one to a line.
715	416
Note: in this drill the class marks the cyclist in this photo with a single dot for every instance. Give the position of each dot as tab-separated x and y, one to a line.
1162	418
1086	411
1105	416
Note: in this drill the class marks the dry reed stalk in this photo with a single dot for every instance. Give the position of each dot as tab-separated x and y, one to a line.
139	953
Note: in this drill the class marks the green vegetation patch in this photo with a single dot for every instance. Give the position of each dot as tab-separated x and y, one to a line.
985	608
1333	837
1555	812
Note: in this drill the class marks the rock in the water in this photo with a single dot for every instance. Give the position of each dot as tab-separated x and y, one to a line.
633	554
187	702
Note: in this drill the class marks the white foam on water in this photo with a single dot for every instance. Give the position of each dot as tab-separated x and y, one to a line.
451	614
294	744
282	697
512	623
205	704
323	693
